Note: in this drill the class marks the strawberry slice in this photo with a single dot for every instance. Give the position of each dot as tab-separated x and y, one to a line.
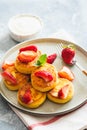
65	72
6	65
44	75
27	56
26	97
63	92
29	48
9	77
51	58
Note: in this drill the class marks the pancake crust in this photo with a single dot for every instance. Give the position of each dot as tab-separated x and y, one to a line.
27	68
39	83
52	95
37	98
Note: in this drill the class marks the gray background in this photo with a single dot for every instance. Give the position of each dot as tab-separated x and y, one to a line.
70	15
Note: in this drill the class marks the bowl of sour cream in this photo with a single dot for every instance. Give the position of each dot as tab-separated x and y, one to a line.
24	26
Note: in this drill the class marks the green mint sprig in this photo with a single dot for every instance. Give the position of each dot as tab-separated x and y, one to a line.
42	60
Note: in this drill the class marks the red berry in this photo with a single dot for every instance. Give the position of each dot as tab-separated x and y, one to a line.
26	97
27	56
65	72
63	92
44	75
68	55
51	58
7	65
29	48
9	77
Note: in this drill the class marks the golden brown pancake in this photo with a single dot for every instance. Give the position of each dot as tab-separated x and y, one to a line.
29	97
39	83
21	79
27	68
53	94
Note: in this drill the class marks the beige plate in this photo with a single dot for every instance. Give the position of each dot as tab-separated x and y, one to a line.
49	46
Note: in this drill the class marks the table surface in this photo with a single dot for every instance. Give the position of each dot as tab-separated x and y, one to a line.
70	15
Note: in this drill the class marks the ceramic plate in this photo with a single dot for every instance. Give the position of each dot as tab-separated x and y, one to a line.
49	46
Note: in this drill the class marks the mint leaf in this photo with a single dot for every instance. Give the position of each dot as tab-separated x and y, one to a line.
42	60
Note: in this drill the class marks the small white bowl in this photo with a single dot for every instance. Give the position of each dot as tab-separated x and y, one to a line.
24	26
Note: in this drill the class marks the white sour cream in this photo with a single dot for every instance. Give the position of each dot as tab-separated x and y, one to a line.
24	26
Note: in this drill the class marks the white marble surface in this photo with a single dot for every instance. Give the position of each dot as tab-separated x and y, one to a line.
70	15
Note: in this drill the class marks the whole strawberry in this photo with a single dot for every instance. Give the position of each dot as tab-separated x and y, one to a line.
68	54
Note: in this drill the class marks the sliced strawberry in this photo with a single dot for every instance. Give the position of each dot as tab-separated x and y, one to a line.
29	48
44	75
9	77
54	92
26	97
68	55
27	56
6	65
65	72
63	92
51	58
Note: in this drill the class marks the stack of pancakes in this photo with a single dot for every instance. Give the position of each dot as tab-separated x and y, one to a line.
33	90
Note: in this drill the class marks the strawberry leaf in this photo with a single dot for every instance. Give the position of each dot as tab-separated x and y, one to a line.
72	46
69	46
42	60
